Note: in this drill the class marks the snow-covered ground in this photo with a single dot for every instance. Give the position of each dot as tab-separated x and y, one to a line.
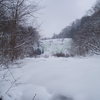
54	79
53	46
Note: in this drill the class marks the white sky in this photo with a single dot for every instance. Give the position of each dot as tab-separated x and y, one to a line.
57	14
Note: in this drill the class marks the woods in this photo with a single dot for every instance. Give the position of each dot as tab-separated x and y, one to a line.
86	37
16	38
85	33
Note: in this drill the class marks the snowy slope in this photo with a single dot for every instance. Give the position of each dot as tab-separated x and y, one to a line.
78	78
53	46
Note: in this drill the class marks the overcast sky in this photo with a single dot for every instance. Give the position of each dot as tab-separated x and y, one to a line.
57	14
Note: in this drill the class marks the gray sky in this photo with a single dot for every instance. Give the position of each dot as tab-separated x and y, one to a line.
57	14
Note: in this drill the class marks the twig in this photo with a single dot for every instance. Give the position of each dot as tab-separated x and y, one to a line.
10	87
34	96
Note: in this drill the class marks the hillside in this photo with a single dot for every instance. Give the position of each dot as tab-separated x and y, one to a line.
53	46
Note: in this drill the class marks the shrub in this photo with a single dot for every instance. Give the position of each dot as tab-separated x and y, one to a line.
61	55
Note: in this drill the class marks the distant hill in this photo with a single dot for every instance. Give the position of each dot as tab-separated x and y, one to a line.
53	46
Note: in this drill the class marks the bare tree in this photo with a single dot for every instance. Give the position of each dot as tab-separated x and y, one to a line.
13	33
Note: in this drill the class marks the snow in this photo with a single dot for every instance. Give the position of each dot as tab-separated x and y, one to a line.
53	46
55	79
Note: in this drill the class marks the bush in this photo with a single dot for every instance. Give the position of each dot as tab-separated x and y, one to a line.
61	55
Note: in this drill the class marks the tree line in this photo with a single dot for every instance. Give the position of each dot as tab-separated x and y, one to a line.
85	33
16	37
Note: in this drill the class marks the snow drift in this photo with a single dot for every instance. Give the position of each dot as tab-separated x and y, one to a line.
55	79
